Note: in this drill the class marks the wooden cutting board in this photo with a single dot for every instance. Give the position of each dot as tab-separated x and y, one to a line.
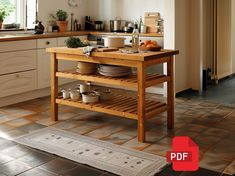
106	49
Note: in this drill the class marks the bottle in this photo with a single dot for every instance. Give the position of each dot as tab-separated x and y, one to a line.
135	38
140	24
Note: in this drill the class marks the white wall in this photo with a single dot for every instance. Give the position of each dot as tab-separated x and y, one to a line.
46	7
125	9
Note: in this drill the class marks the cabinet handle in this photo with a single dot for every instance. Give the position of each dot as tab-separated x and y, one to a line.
47	43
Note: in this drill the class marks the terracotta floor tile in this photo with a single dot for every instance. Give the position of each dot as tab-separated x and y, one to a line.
38	172
35	158
230	169
18	122
12	134
216	132
118	138
157	149
18	112
37	117
46	122
105	131
195	127
215	164
14	168
58	165
83	129
31	127
64	125
133	143
15	151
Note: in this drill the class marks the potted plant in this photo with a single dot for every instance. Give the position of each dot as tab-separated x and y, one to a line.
5	11
61	20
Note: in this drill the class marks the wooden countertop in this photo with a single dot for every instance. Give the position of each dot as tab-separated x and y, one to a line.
116	54
11	36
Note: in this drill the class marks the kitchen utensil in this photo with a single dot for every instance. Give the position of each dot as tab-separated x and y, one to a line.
106	49
117	25
74	94
90	97
104	93
84	88
113	41
99	26
114	71
86	68
65	94
150	21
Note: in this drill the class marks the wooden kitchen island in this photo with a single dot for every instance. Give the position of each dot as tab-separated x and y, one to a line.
137	108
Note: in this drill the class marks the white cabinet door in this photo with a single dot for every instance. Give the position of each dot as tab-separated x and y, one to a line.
43	62
16	83
17	61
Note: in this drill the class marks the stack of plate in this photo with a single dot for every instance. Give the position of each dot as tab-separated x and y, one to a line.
86	68
114	71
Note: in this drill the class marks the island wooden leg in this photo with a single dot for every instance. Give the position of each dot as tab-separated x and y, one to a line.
141	102
54	88
170	94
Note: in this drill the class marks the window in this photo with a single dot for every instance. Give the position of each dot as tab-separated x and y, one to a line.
24	13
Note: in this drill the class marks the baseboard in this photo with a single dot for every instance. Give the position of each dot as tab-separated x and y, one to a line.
13	99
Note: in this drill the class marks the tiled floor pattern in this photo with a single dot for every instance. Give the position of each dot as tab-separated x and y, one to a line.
210	124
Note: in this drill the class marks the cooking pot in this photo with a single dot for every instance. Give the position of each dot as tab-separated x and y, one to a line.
112	41
117	25
99	26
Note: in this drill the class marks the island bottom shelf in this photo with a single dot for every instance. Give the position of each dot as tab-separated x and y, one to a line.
119	105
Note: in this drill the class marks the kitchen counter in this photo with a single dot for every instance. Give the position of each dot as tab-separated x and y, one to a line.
14	36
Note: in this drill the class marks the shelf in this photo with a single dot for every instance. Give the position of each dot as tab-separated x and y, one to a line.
119	105
128	81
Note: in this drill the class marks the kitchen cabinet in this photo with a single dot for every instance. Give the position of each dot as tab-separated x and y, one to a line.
16	83
17	61
43	64
133	107
18	67
43	61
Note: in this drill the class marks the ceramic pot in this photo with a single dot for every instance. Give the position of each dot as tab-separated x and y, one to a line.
62	25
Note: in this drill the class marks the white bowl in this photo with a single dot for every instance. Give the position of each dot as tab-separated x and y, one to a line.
115	42
104	93
90	98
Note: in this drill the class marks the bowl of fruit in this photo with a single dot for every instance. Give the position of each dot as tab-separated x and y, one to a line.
150	45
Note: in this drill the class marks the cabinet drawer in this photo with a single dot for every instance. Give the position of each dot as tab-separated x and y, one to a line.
46	43
17	61
17	45
17	83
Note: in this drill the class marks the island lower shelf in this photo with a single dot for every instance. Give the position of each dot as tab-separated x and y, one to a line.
119	105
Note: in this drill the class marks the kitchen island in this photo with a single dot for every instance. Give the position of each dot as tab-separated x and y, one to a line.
138	108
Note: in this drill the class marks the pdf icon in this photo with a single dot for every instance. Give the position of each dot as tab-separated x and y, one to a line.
184	155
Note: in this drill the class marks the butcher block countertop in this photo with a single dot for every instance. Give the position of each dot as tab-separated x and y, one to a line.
17	35
143	56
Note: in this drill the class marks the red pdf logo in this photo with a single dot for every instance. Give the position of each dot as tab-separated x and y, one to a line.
184	154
